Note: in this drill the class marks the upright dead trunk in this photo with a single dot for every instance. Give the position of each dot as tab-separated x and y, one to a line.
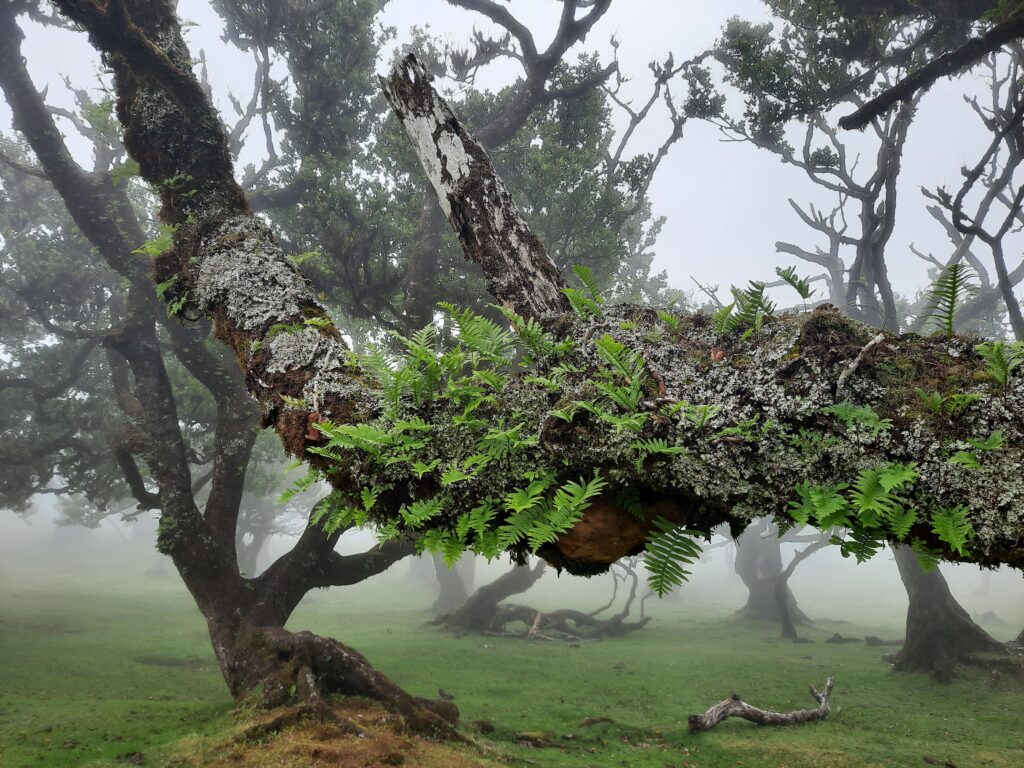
940	633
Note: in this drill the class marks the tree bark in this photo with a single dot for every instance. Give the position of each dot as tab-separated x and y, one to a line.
489	224
940	633
452	590
736	707
759	566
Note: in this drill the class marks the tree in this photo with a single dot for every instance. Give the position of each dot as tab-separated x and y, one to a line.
229	266
759	62
940	633
759	566
216	548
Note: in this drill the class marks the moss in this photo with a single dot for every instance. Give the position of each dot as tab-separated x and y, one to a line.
720	479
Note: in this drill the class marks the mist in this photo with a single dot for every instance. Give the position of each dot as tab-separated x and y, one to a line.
472	383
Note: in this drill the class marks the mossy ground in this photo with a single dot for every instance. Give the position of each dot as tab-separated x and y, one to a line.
91	675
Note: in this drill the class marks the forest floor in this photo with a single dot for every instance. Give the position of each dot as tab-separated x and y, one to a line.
122	674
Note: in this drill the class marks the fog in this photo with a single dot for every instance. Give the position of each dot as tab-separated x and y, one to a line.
129	429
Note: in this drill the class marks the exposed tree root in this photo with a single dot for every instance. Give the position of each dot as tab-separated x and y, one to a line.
736	707
306	668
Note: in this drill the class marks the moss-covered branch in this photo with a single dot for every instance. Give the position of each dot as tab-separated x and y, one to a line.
662	416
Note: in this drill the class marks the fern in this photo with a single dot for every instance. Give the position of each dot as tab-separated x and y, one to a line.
498	444
952	288
700	415
927	557
628	364
415	515
865	415
953	528
799	284
674	322
972	459
825	505
900	522
658	446
933	401
586	302
1001	359
670	549
748	310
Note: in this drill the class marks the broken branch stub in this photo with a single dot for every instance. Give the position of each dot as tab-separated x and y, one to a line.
489	224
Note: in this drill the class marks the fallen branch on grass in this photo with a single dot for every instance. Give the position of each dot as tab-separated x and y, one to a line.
736	707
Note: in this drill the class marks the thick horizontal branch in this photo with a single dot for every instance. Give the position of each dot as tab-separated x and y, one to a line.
948	64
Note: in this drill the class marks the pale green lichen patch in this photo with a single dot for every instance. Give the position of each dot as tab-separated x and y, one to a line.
244	272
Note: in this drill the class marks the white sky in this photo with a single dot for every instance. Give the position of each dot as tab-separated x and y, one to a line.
726	203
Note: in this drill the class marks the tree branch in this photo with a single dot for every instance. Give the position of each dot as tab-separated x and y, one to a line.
948	64
489	225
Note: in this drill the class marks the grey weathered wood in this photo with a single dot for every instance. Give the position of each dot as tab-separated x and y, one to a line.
734	706
489	224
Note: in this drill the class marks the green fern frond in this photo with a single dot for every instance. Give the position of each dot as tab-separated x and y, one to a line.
670	549
953	527
954	286
799	284
1001	359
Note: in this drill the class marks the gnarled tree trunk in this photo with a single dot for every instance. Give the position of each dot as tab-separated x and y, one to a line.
940	633
483	611
759	566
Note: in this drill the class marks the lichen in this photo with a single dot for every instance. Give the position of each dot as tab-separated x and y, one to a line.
721	476
244	272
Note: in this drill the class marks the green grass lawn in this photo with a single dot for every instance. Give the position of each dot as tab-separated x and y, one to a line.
88	674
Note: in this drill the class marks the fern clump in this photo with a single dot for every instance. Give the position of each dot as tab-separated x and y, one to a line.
748	310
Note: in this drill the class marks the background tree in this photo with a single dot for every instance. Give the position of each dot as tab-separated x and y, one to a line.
792	69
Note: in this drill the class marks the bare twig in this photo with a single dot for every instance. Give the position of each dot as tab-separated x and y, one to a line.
845	375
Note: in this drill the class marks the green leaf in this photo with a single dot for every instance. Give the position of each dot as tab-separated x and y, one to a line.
415	515
421	469
799	284
952	289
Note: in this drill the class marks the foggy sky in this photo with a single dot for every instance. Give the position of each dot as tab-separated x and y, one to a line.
726	202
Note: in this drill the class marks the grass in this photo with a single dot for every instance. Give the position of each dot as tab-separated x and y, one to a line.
91	676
